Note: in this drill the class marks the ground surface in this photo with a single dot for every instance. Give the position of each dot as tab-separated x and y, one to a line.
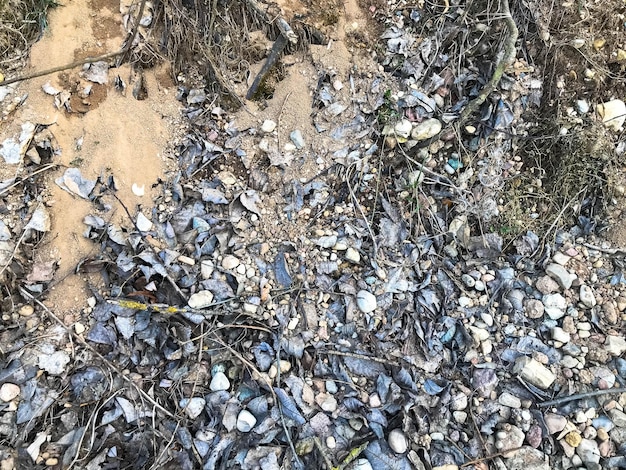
301	282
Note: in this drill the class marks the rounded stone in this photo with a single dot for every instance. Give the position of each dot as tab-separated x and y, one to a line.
219	382
426	129
366	301
245	421
398	441
9	392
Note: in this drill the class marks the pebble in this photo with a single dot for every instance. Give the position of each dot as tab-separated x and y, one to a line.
331	387
558	334
230	262
192	406
328	403
468	280
546	285
587	297
555	422
366	301
331	442
219	382
613	113
458	402
554	305
297	139
403	130
534	372
511	437
26	310
618	417
588	451
398	441
353	256
201	299
426	129
560	275
534	308
327	242
51	462
528	458
245	421
506	399
561	258
615	345
143	223
9	392
268	126
79	328
534	436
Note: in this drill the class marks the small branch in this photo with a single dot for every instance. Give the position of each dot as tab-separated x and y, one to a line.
47	167
580	396
89	60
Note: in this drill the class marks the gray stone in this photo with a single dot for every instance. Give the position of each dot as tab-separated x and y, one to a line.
506	399
245	421
534	372
297	139
558	334
366	301
554	305
587	297
534	308
560	275
509	438
327	242
618	417
588	451
468	280
555	422
426	129
484	381
219	382
528	458
353	256
546	285
201	299
398	441
615	345
192	406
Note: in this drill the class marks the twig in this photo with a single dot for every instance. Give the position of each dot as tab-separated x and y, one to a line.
277	48
47	167
580	396
89	60
490	457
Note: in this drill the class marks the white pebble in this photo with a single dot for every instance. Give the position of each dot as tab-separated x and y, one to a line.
397	441
219	382
268	126
366	301
245	421
9	392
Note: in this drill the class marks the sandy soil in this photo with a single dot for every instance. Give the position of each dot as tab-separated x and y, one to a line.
112	134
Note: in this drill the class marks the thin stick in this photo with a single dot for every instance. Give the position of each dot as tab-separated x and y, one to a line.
89	60
47	167
580	396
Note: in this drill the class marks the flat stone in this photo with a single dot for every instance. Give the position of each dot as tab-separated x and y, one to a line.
554	305
613	113
245	421
230	262
510	438
403	129
353	256
506	399
297	139
219	382
546	285
528	458
561	258
534	372
618	417
615	345
9	392
586	296
588	451
560	275
201	299
426	129
326	242
398	441
558	334
192	406
366	301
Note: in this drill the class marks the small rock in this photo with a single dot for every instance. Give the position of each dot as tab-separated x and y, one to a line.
297	139
366	301
484	381
426	129
9	392
561	258
143	223
558	334
403	130
506	399
51	462
353	256
327	242
555	422
573	438
560	275
230	262
27	310
268	126
398	441
554	305
327	403
546	285
331	442
201	299
219	382
331	387
509	438
79	328
586	296
192	406
618	417
468	280
534	436
245	421
528	458
534	372
458	402
534	308
588	450
615	345
582	106
613	114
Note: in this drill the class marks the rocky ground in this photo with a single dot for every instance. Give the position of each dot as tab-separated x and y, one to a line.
405	249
